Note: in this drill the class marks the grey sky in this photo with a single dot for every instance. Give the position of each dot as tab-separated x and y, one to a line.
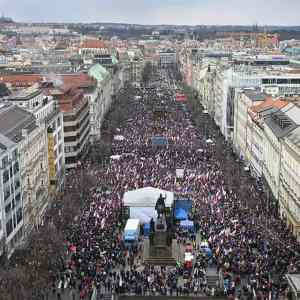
262	12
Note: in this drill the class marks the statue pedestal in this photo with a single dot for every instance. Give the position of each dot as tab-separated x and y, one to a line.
160	245
161	224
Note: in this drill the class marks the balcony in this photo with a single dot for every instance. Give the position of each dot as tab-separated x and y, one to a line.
7	196
40	194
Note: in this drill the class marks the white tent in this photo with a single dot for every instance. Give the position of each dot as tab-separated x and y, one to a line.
141	202
115	157
119	138
179	173
147	197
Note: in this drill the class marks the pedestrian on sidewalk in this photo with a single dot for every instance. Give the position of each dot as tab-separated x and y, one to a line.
58	296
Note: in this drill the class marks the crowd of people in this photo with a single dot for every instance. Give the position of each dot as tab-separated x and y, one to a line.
252	256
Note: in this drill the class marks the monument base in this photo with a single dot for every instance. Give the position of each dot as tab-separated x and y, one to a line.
161	224
158	251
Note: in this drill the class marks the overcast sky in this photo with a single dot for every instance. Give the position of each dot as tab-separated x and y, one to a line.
190	12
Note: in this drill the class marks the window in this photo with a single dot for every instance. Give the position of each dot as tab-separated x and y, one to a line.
71	160
70	149
60	148
5	176
59	135
18	198
17	184
11	171
4	162
70	139
9	227
6	194
19	215
70	128
58	121
8	208
61	162
16	167
54	126
15	154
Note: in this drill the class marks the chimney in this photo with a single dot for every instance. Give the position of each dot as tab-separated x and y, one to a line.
24	132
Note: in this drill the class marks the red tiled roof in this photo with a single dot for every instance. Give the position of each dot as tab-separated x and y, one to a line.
268	103
70	99
93	43
23	80
79	80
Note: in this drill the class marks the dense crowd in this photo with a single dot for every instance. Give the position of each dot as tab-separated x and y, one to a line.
252	256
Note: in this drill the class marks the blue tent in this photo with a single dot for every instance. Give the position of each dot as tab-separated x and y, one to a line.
187	224
184	203
180	214
146	229
159	141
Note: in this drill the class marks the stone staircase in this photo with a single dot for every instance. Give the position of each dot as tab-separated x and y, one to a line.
104	297
160	261
212	277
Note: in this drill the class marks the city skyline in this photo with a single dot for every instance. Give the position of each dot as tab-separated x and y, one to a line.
177	12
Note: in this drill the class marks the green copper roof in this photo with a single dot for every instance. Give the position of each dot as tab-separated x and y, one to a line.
114	59
98	72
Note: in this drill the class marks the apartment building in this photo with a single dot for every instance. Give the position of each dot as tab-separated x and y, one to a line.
244	99
167	58
24	176
34	100
11	196
136	63
56	151
76	121
255	132
100	104
223	81
91	47
289	188
39	101
277	126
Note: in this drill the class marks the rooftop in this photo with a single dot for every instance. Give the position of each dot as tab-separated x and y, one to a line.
4	91
70	100
93	44
77	80
25	94
98	72
294	137
13	119
21	79
292	110
255	94
5	142
294	281
280	123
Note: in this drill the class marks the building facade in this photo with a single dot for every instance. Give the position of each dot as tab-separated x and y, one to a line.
25	198
11	228
100	104
242	133
76	121
167	58
289	189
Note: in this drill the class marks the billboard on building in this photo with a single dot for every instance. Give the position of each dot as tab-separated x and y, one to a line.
51	160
